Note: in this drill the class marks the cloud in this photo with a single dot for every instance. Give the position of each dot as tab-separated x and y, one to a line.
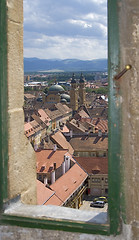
65	29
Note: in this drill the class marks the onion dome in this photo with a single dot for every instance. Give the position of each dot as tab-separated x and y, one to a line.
63	100
56	88
66	97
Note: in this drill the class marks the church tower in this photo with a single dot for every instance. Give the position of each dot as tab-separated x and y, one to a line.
82	92
74	94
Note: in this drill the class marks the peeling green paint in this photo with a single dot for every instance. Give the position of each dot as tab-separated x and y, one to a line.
60	225
3	104
114	121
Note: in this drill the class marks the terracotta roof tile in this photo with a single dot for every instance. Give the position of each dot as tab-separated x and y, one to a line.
65	129
89	143
66	185
98	111
63	108
44	193
61	141
29	131
44	117
53	114
38	120
47	158
83	114
35	125
76	126
101	124
93	163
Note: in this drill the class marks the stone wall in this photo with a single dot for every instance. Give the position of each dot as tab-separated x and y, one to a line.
129	47
22	164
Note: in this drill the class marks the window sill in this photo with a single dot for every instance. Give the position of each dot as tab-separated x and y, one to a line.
56	212
56	218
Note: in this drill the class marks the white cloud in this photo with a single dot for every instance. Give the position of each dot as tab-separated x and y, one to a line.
65	29
62	47
80	23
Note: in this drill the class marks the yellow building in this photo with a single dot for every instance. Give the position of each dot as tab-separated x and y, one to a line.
56	94
74	94
77	93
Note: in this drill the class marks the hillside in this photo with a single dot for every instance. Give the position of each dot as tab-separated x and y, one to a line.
36	64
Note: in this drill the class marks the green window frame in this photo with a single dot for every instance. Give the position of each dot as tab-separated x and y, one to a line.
114	202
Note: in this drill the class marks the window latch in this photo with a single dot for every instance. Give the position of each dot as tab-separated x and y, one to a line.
119	75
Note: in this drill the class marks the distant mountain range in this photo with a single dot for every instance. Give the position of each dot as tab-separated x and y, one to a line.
36	64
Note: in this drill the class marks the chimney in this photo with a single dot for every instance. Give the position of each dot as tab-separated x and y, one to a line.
52	177
55	148
54	165
67	163
63	168
45	181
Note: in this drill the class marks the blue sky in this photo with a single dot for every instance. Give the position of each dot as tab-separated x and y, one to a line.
65	29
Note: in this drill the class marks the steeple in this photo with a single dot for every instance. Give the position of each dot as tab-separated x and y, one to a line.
74	94
82	92
73	78
81	79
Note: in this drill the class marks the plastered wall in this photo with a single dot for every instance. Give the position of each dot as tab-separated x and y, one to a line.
21	164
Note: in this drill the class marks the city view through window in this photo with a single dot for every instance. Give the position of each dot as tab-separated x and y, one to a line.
66	101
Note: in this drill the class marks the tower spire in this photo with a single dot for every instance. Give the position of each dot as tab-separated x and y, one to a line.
82	90
74	94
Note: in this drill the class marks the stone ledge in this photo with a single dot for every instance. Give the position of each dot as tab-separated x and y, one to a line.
55	212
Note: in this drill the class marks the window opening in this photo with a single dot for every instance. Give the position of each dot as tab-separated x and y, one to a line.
79	100
96	169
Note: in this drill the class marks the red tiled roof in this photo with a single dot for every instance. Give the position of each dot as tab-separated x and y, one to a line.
89	143
63	108
101	124
93	163
83	114
44	117
44	193
65	129
66	185
28	129
47	158
76	125
61	141
53	114
36	127
98	111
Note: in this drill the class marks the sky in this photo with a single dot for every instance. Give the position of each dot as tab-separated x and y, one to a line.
65	29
